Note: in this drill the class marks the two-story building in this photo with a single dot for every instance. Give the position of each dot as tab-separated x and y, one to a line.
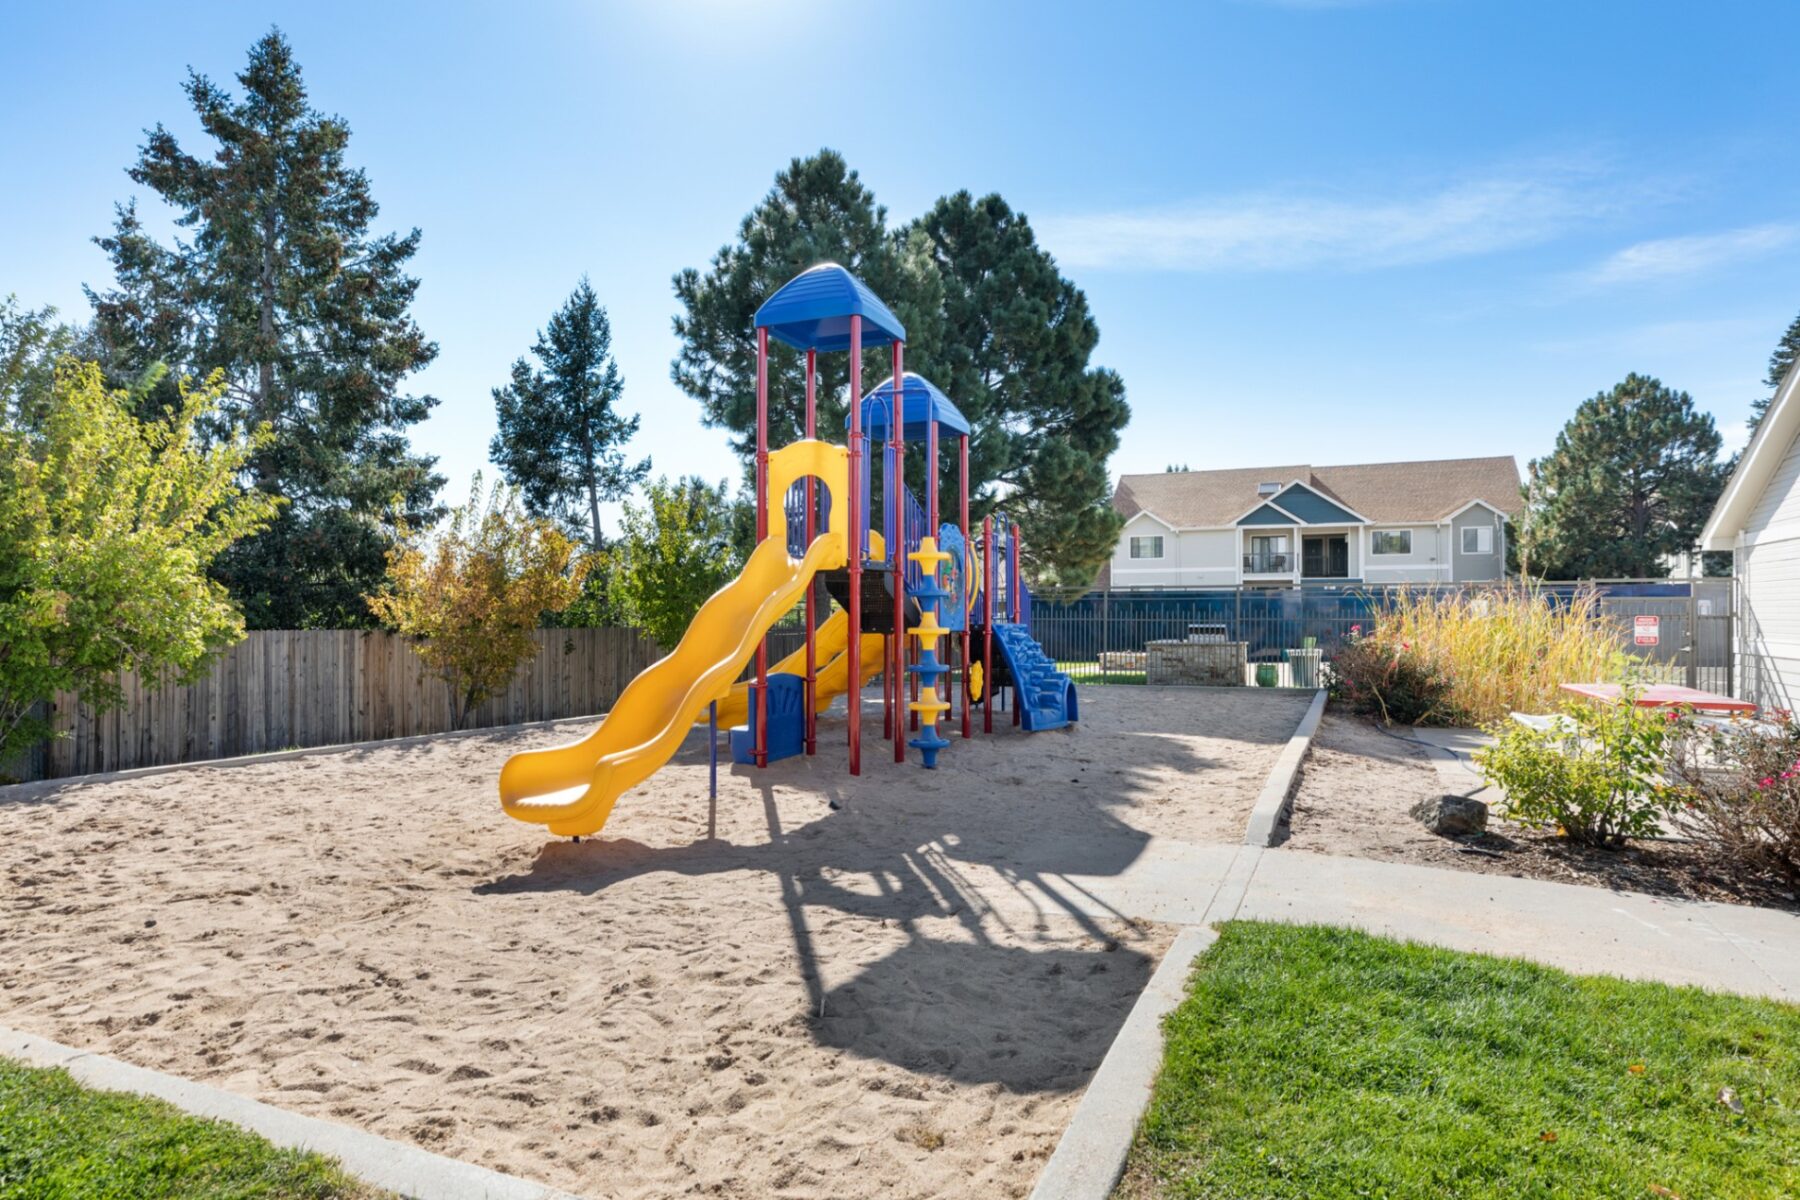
1443	521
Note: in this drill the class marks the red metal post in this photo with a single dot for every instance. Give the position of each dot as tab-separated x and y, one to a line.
987	624
761	749
963	490
853	696
1012	587
1012	597
899	439
890	700
812	617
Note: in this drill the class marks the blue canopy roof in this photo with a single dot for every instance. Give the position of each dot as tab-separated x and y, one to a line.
923	403
812	311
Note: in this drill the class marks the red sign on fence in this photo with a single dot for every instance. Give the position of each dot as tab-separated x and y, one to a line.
1646	631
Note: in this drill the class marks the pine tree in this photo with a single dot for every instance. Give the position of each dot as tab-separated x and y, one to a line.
1780	363
1630	484
818	211
988	318
1017	338
561	433
278	283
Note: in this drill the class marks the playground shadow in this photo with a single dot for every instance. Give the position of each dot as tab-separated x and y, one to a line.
997	967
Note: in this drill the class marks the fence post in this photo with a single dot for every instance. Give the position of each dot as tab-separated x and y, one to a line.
1693	634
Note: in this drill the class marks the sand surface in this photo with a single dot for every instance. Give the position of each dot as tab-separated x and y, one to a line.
883	1000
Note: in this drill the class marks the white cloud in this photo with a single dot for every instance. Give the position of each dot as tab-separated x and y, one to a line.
1271	232
1664	258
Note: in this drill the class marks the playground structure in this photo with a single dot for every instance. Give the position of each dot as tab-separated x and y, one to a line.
937	596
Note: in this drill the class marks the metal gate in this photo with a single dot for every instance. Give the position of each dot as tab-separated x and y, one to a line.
1682	639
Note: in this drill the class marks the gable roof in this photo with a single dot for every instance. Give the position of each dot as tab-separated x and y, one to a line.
1756	466
1384	493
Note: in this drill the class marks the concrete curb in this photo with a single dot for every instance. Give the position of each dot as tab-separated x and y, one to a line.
396	1166
12	790
1091	1155
1278	792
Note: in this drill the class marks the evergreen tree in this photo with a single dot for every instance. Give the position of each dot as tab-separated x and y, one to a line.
1630	484
561	433
988	318
818	211
1017	337
1780	363
278	283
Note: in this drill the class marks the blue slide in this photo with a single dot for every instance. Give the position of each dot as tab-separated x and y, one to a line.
1045	696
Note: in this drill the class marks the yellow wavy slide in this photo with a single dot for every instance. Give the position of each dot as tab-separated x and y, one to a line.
572	789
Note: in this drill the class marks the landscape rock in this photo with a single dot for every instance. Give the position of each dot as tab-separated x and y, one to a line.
1452	816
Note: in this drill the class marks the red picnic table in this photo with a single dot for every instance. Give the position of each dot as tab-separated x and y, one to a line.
1664	695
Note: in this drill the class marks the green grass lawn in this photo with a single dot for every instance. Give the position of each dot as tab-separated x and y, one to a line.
61	1141
1310	1062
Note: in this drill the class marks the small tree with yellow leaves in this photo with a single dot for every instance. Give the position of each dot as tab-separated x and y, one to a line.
472	591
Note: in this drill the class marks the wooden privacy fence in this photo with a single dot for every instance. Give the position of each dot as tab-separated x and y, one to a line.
285	689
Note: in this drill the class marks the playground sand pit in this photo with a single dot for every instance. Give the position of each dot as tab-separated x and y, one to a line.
901	997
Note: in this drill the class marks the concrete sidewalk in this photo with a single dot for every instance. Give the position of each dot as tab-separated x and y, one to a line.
1587	930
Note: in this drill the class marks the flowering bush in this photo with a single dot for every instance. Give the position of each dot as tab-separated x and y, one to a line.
1741	784
1599	780
1385	679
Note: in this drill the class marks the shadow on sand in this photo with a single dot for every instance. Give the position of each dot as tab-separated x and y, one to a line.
962	1009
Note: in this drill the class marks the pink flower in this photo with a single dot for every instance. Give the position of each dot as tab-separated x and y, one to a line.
1787	774
1765	782
1355	629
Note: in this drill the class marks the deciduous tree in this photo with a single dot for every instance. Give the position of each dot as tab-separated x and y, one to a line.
108	525
676	550
1629	485
278	283
472	592
562	435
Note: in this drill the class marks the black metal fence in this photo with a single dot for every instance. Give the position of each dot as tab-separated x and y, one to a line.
1682	634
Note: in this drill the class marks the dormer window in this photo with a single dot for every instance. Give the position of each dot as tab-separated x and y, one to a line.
1267	489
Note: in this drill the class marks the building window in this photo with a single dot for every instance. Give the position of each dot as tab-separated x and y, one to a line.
1391	541
1267	489
1146	547
1478	539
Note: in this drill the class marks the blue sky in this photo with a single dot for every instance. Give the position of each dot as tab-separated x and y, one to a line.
1312	230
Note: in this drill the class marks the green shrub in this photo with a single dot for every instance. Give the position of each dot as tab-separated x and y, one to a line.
1387	679
1598	780
1741	786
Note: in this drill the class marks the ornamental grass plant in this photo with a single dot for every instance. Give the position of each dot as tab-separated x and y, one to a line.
1486	652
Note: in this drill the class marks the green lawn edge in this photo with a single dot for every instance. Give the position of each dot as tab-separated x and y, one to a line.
62	1141
1318	1062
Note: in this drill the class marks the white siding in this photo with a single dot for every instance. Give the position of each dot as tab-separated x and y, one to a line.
1768	565
1191	557
1426	564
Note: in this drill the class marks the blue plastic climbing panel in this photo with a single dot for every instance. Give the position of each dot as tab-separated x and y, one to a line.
1045	696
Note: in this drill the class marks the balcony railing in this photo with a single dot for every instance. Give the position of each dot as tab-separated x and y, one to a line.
1269	562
